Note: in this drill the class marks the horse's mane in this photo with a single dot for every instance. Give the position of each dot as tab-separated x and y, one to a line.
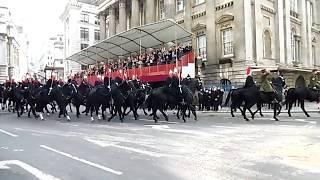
300	82
249	82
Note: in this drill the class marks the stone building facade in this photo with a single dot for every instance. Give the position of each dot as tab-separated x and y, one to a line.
13	48
231	34
80	30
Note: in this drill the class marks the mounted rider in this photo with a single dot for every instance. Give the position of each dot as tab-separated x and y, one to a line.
265	84
314	80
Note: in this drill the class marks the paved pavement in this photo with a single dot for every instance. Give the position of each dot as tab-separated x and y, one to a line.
215	147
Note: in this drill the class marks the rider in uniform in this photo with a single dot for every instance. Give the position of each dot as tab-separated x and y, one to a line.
315	80
266	85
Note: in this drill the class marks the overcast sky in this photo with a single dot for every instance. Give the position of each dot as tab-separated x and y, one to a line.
39	18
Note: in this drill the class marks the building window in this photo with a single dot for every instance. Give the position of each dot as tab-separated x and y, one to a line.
295	46
84	34
267	52
84	18
161	9
197	2
227	41
97	22
83	46
180	5
293	5
266	21
202	46
97	35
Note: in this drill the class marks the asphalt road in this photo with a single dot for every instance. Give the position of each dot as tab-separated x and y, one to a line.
215	147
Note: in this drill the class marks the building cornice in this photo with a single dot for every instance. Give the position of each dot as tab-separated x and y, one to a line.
268	9
223	6
200	14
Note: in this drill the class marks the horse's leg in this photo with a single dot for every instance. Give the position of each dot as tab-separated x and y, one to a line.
17	106
114	110
275	106
279	109
70	107
178	112
121	115
303	109
290	107
154	113
164	114
91	112
244	112
193	110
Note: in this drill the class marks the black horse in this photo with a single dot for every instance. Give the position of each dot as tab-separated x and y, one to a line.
301	93
51	92
171	95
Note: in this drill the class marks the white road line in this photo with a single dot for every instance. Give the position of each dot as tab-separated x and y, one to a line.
7	133
166	128
168	122
82	160
34	171
140	151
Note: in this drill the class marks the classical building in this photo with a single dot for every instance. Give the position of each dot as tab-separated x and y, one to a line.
52	58
13	48
231	34
80	30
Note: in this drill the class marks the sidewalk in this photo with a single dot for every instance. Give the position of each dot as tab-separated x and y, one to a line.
311	107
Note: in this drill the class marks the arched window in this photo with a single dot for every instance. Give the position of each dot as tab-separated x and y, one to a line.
267	52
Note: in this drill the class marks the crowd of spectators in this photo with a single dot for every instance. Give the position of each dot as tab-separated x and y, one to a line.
148	58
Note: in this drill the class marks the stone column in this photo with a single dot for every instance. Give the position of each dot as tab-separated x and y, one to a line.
150	11
135	18
280	52
316	7
188	13
248	29
102	17
304	41
288	55
210	33
309	35
112	21
169	6
122	16
259	28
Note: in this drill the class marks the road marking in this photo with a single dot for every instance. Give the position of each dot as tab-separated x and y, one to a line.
7	133
6	148
18	150
34	171
82	160
168	129
304	120
140	151
168	122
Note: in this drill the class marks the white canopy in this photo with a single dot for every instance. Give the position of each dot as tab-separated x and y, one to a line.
154	35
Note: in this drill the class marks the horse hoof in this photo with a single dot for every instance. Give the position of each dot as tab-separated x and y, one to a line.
48	114
68	118
92	119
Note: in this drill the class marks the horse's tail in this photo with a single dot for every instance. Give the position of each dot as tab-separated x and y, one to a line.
228	97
